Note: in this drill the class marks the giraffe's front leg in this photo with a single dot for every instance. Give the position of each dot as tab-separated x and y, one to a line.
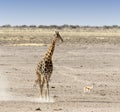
48	90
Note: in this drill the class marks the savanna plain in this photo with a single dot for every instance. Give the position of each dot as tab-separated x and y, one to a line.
89	56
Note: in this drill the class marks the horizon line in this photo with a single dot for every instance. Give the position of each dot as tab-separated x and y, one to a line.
67	25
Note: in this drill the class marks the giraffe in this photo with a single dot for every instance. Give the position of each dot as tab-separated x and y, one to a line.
45	67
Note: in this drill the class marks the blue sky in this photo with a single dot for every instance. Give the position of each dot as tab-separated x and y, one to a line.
59	12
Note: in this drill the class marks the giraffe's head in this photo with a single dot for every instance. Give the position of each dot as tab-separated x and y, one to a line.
58	36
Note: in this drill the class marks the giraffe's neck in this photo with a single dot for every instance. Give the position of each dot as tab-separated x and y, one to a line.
50	51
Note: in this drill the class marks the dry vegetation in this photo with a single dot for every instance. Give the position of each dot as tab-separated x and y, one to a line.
72	34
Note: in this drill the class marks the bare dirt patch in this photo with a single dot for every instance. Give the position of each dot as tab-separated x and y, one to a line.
75	66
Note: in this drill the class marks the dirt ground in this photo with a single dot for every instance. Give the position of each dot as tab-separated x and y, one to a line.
75	66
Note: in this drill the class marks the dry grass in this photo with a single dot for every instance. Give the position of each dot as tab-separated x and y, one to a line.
35	36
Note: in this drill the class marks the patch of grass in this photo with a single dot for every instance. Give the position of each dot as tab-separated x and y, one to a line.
14	36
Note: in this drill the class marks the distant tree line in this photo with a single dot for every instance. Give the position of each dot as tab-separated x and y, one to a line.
58	26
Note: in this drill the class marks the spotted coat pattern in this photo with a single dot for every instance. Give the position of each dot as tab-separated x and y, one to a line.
45	66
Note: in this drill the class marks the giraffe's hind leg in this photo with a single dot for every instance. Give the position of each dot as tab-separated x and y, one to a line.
41	85
40	82
47	89
35	83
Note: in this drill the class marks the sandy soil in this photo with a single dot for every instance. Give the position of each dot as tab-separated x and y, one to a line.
75	66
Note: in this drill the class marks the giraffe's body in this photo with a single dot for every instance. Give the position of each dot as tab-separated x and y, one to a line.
45	67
